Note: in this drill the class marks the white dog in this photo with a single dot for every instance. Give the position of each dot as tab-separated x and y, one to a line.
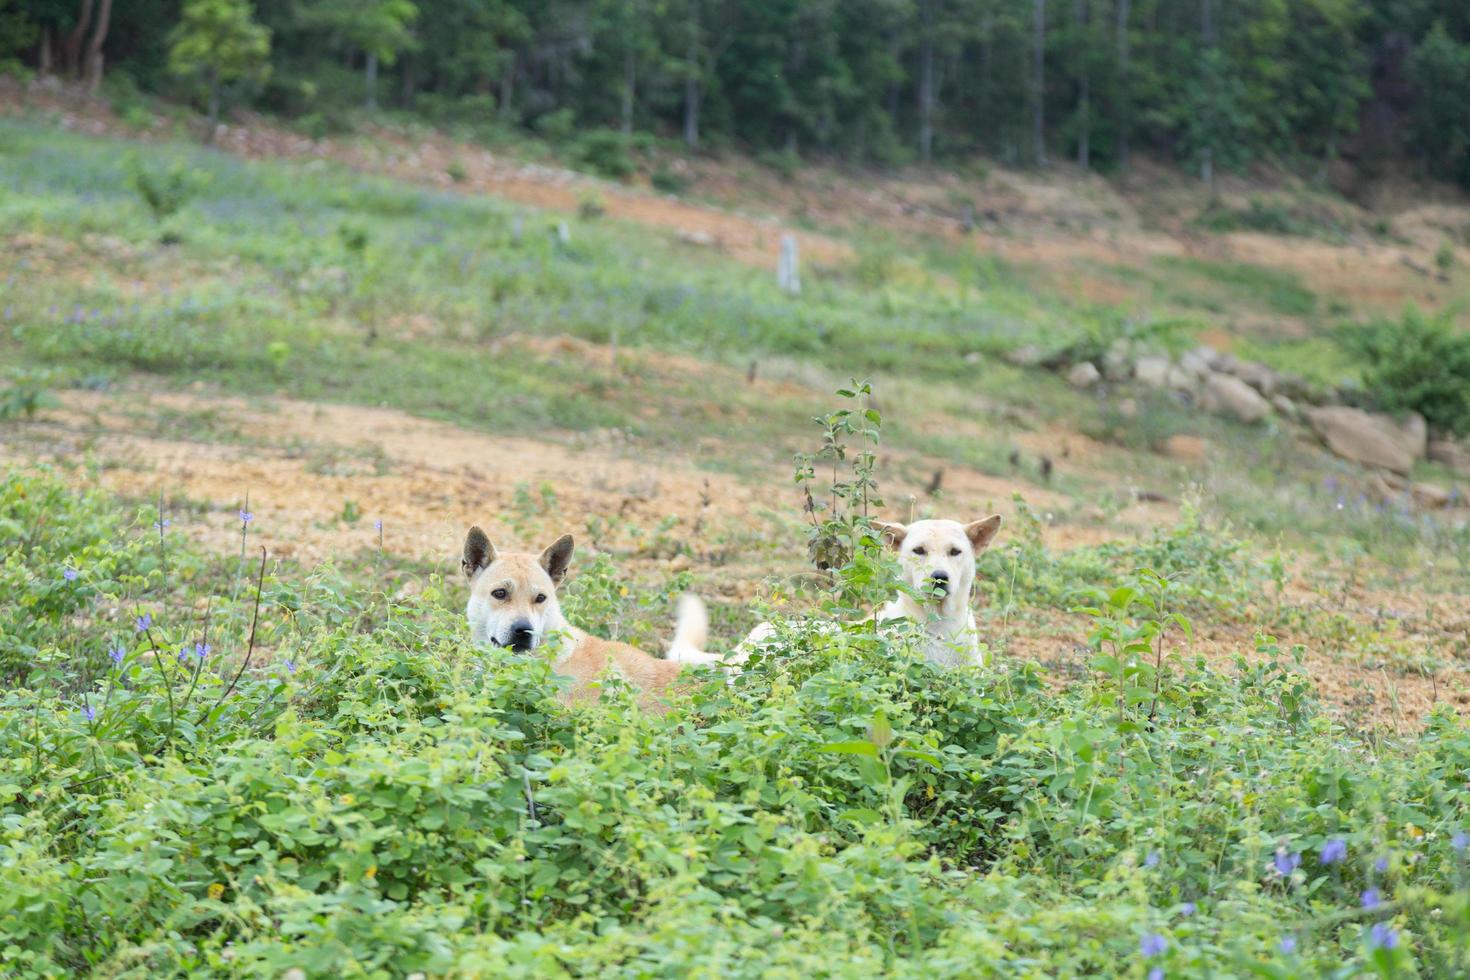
938	560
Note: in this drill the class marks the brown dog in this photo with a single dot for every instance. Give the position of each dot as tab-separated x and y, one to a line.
513	605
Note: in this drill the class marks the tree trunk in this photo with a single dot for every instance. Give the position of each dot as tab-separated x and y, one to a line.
1122	84
43	55
406	87
507	87
1038	120
94	50
71	50
1207	153
691	82
926	80
213	104
372	81
691	112
630	85
1084	92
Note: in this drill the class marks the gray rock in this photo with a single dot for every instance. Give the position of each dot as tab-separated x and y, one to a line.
1258	376
1083	375
1200	361
1431	495
1237	398
1362	437
1117	365
1285	406
1178	379
1152	371
1416	431
1455	455
1027	355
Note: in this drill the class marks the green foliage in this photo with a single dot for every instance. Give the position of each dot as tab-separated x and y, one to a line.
1440	71
218	42
373	796
1420	364
605	152
166	191
27	393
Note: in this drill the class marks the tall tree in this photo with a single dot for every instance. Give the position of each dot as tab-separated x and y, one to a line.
218	41
1038	81
380	29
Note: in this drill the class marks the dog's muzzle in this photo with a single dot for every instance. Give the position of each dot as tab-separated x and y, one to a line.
939	583
521	639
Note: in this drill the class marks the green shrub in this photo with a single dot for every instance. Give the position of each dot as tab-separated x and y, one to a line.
165	192
605	152
667	181
1420	364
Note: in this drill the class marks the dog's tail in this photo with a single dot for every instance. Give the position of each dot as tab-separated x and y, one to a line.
691	632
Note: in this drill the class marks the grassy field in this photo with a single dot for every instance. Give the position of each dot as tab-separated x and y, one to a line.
1222	736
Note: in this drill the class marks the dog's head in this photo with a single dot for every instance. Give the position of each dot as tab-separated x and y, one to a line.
513	597
938	557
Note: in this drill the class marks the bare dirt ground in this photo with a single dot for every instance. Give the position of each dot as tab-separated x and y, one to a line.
427	481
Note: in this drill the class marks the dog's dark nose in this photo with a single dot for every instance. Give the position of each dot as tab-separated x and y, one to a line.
521	636
940	579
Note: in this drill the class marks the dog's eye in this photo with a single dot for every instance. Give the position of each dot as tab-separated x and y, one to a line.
499	594
919	551
540	598
954	552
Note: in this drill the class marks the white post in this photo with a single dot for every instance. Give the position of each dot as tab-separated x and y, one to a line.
788	279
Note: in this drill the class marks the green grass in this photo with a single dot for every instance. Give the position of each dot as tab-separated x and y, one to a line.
1219	286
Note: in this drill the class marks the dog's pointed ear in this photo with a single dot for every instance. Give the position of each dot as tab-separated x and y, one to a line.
891	534
556	558
981	533
478	552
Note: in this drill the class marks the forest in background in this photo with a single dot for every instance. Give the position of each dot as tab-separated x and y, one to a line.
1210	84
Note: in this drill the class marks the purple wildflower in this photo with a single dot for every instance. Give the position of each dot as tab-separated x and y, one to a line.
1286	861
90	712
1188	908
1152	861
1153	944
1381	865
70	574
1287	945
291	666
1334	851
183	653
378	525
1371	898
1382	936
1157	973
1460	841
160	525
117	653
144	621
246	517
201	650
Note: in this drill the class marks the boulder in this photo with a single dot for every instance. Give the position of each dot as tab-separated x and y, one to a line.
1235	397
1200	361
1431	495
1416	431
1152	370
1083	375
1258	376
1455	455
1285	406
1027	355
1178	379
1374	440
1117	362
